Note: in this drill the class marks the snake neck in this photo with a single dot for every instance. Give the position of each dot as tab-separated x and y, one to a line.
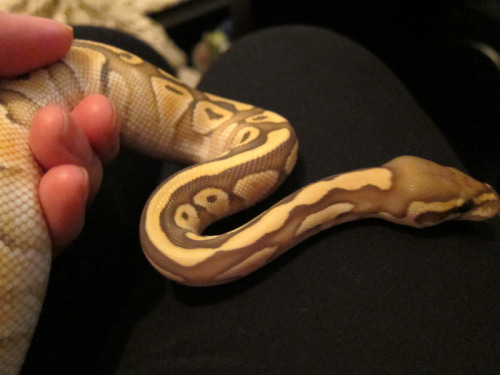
382	192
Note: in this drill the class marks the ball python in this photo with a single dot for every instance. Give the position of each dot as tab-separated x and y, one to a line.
238	154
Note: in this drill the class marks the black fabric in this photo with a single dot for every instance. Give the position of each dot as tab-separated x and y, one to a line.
365	297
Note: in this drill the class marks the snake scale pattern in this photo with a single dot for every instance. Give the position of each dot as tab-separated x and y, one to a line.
238	154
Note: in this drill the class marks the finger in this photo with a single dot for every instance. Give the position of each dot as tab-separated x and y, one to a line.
28	42
55	140
63	196
96	115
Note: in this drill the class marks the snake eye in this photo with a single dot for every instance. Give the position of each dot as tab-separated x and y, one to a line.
466	207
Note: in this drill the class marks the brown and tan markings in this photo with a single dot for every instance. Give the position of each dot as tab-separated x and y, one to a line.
239	155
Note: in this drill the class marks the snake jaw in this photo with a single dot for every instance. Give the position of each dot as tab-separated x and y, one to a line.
480	200
483	206
433	193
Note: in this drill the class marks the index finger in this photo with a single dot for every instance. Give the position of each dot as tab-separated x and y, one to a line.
28	42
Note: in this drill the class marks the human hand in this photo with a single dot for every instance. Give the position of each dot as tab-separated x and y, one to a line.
70	147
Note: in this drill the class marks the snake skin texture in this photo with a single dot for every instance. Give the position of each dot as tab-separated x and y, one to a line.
240	154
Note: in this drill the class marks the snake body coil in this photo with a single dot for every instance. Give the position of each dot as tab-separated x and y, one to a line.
240	154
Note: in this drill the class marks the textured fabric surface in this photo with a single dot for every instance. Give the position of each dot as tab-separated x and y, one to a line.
365	297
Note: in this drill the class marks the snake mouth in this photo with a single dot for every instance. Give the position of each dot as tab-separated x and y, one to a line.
484	206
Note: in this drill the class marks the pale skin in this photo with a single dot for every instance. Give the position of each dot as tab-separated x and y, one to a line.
70	147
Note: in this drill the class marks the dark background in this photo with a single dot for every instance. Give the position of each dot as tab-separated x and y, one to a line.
444	51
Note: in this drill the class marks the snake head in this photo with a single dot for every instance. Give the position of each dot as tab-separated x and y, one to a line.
436	193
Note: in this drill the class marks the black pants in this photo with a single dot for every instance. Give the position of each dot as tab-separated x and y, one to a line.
362	298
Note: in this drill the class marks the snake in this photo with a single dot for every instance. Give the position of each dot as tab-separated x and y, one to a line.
237	154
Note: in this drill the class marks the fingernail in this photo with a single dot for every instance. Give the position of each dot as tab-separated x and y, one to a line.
67	27
115	140
63	25
84	186
74	142
65	121
85	182
114	115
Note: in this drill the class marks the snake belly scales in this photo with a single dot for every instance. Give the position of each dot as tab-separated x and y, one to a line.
238	154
